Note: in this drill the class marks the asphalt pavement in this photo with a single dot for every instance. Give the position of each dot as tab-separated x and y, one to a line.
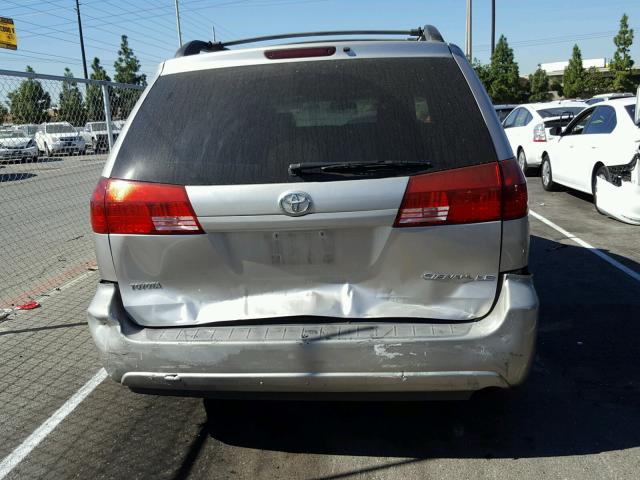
577	416
44	216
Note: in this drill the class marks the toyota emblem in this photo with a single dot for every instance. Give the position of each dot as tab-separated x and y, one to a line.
295	204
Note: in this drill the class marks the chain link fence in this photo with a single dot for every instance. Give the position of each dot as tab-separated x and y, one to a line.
55	134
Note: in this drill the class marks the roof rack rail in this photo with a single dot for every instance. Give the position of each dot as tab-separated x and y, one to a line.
428	33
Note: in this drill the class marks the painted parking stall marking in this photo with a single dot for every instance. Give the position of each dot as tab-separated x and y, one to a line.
611	261
33	440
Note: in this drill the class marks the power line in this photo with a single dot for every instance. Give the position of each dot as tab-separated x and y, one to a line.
75	42
19	58
64	32
30	5
40	53
555	40
169	17
133	15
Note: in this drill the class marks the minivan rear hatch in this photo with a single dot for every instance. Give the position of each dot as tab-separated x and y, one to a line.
413	230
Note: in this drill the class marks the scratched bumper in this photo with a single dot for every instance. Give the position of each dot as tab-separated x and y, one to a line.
353	357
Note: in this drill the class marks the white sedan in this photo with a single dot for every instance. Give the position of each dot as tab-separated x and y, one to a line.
597	154
528	128
16	145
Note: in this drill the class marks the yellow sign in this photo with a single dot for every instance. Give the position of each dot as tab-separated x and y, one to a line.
8	37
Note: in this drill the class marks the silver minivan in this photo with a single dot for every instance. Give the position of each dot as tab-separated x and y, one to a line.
341	217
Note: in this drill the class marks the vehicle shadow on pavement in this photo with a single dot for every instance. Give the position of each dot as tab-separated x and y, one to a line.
40	159
581	397
14	177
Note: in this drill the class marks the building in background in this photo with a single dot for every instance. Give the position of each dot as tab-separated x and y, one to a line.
555	70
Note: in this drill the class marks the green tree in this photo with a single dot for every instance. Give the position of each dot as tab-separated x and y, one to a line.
127	67
483	72
539	85
573	80
95	102
504	76
71	105
595	82
4	113
29	103
525	90
556	86
622	63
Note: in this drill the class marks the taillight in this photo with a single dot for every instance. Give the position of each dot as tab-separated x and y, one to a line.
481	193
98	210
514	191
539	133
300	52
129	207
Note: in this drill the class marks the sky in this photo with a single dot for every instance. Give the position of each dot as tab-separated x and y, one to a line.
539	31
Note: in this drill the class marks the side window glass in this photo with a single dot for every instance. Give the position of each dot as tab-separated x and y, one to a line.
528	118
581	123
520	120
603	121
511	118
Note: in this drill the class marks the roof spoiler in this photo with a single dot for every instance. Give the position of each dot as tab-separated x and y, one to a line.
428	33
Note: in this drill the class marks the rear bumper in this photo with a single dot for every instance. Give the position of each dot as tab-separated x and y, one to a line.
330	358
621	202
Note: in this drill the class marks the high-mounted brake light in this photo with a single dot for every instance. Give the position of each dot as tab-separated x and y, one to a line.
129	207
539	133
299	52
481	193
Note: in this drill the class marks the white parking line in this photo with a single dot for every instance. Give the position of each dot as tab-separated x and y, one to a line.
32	441
611	261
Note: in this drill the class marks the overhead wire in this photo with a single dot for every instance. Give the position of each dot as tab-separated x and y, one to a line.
554	40
64	32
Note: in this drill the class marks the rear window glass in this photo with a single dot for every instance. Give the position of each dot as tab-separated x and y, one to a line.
557	112
246	125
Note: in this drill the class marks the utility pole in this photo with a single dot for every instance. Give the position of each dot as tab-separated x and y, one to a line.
469	43
213	30
493	26
84	59
178	24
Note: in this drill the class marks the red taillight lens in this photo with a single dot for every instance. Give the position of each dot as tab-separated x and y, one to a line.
481	193
98	210
514	191
124	206
300	52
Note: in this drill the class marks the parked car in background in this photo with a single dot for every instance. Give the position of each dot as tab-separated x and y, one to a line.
528	128
503	110
29	129
16	145
96	137
59	137
267	236
607	96
597	154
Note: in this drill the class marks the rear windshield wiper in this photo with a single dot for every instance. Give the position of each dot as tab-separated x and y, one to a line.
354	168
